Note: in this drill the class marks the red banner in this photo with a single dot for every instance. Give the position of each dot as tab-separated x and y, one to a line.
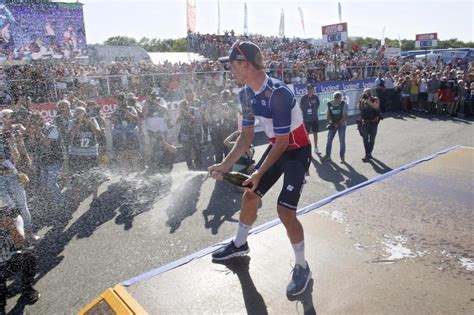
191	15
428	36
334	28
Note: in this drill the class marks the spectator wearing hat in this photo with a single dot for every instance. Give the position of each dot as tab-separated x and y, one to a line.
309	105
336	115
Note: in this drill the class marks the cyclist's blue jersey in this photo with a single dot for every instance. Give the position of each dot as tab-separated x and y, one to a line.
274	106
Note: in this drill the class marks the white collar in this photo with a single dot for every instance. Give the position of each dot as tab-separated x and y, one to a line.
262	88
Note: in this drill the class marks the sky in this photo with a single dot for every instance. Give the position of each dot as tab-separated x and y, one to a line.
167	18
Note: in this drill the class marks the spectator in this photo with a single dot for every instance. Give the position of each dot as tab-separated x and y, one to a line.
15	256
189	135
214	115
413	85
125	134
156	125
369	107
380	88
336	123
423	93
13	155
309	105
84	147
433	90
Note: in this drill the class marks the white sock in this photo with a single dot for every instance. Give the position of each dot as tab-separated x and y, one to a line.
242	233
299	254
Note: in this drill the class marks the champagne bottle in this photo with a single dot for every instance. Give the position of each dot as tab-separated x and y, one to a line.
236	178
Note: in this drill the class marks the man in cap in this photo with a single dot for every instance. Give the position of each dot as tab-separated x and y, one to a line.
289	153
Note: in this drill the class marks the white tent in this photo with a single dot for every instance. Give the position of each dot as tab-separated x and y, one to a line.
175	57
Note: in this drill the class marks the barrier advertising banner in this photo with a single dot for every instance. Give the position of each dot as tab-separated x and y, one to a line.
351	91
332	86
50	30
334	33
425	41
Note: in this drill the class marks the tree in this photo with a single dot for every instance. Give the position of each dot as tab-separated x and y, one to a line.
120	41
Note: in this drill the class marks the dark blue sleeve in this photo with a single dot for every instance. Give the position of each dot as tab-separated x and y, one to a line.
282	102
248	117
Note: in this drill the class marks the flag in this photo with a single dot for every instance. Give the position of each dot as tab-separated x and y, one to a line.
300	11
281	32
340	11
382	40
246	20
218	18
191	15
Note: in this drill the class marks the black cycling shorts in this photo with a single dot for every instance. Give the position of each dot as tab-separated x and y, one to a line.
293	164
312	126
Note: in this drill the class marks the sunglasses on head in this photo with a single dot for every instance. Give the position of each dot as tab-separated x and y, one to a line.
237	46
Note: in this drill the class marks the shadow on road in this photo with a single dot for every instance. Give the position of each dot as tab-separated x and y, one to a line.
225	201
127	198
342	178
254	302
184	201
379	166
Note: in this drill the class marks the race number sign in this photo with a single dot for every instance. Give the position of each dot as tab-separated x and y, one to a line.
425	41
334	33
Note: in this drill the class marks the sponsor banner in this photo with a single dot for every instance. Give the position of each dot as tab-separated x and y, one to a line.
351	97
425	41
334	33
48	110
392	52
332	86
49	30
428	36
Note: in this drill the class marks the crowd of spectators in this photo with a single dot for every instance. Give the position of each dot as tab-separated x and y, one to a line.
53	156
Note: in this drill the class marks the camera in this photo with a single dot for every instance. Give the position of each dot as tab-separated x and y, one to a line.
9	133
365	96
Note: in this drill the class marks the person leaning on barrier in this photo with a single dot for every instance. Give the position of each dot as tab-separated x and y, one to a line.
15	257
369	107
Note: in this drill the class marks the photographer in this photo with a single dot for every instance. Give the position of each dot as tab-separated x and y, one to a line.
14	257
125	134
369	107
157	123
309	105
84	147
189	134
336	122
214	115
93	111
12	155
